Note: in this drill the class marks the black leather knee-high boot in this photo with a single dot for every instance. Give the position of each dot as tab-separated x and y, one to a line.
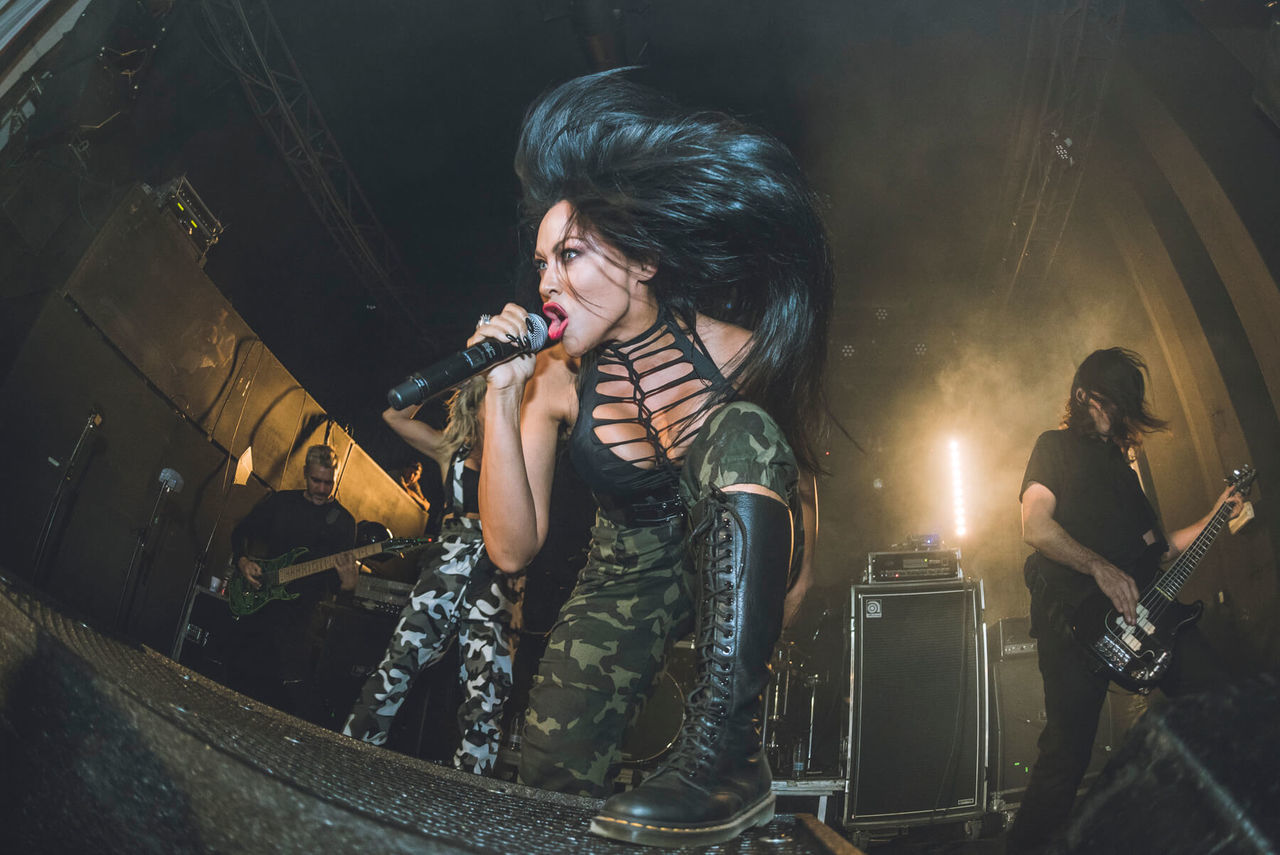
716	782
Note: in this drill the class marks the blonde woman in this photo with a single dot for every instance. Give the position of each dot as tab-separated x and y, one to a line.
459	593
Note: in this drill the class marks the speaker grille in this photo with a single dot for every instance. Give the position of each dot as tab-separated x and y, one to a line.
112	748
918	712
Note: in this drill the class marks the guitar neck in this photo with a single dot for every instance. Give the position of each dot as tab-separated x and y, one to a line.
1172	580
319	565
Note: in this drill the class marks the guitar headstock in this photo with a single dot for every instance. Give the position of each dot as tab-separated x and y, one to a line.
1241	480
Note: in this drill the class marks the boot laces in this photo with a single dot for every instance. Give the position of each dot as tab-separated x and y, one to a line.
708	704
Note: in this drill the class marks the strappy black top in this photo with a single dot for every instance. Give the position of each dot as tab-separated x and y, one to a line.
629	386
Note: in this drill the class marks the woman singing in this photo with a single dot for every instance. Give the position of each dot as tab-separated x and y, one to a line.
459	593
685	271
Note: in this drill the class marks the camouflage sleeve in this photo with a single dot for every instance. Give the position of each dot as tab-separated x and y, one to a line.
740	444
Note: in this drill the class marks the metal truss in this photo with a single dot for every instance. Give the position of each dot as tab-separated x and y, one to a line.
249	39
1070	53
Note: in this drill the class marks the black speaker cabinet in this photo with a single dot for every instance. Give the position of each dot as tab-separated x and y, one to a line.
918	711
1017	699
205	641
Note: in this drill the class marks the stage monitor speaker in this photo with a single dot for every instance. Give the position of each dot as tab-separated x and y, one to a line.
1199	774
918	711
1017	697
108	747
1266	90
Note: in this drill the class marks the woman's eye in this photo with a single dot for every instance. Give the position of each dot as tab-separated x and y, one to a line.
539	265
568	254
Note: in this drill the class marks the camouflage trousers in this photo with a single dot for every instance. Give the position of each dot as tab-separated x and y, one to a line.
460	592
633	600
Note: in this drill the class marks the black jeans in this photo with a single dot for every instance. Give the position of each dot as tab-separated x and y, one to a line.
1073	697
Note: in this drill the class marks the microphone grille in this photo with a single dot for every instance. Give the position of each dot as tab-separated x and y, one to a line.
171	480
538	334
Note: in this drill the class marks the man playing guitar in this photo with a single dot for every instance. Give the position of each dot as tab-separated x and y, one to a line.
1093	529
271	653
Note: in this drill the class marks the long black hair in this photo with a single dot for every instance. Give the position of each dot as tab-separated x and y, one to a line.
1118	376
720	207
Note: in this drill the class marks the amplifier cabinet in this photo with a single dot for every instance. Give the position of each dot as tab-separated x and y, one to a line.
205	641
918	705
1018	718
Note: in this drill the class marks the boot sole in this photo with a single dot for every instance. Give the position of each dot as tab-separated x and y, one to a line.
633	831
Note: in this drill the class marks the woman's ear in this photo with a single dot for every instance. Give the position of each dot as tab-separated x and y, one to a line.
1080	395
645	270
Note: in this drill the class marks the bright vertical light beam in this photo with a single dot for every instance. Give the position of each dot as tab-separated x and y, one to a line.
957	489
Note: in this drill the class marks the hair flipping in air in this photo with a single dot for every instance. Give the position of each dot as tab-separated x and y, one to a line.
1118	375
464	426
721	208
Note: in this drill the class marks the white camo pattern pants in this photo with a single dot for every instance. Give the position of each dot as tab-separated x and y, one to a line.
460	592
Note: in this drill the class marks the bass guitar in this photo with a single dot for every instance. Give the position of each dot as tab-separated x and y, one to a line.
1137	657
280	571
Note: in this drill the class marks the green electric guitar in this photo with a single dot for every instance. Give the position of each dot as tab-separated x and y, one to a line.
280	571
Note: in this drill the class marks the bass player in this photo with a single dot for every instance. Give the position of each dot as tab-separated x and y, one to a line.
1093	529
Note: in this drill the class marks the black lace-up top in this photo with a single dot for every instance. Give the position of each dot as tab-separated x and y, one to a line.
640	406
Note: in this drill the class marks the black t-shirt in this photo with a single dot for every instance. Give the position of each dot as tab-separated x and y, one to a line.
1099	503
286	520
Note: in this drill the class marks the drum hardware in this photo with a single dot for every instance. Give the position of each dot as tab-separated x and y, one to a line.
791	711
654	729
790	708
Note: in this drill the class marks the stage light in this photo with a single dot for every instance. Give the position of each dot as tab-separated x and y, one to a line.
182	201
957	490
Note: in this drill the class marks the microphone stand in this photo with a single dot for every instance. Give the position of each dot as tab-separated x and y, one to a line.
202	560
69	471
128	590
193	583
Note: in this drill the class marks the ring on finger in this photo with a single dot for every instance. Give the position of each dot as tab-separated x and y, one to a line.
484	319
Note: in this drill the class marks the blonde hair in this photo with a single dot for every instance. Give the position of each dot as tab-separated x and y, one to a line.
321	455
465	425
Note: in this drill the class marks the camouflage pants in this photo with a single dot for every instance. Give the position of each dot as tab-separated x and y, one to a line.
632	602
460	592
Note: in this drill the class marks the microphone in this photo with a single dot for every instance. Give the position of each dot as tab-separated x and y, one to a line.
172	482
449	372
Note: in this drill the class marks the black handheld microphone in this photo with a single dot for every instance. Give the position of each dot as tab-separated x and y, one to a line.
449	372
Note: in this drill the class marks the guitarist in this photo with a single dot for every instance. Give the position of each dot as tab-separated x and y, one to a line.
1084	512
271	657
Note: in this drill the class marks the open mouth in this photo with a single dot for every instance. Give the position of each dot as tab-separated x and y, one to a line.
557	320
